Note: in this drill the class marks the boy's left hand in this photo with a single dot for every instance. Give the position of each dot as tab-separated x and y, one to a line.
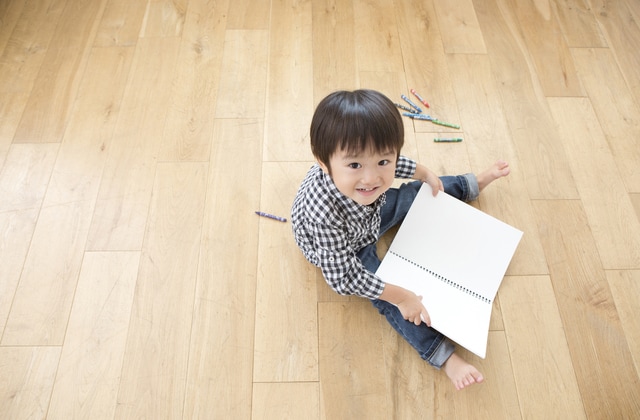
434	181
424	174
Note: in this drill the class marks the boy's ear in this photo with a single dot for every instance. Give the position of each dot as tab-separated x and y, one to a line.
324	167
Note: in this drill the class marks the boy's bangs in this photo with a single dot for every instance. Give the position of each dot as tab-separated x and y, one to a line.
356	122
370	133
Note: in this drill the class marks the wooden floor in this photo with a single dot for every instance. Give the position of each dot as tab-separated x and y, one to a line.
138	137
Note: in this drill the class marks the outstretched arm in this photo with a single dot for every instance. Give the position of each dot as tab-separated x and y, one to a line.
424	174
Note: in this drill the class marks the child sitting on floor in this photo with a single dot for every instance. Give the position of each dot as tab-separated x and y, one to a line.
346	203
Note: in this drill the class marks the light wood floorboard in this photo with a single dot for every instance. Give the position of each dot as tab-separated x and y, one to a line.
138	138
91	360
122	205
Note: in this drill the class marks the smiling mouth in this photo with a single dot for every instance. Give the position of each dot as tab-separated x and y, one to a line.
366	190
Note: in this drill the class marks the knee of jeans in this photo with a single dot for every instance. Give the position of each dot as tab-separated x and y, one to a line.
368	256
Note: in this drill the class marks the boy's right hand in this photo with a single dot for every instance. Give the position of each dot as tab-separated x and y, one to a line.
409	304
413	310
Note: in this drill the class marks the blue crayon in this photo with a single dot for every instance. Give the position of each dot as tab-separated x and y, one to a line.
406	108
417	116
271	216
407	100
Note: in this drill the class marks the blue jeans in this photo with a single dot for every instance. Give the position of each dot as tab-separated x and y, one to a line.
432	346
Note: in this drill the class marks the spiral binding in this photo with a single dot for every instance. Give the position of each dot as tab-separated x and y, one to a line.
445	280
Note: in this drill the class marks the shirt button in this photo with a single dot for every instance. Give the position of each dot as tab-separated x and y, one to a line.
332	259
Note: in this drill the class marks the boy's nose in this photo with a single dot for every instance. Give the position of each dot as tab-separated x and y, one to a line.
370	176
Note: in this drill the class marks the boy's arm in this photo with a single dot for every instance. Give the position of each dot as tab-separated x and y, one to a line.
346	275
424	174
409	304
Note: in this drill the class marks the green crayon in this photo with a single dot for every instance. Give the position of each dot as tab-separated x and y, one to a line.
449	140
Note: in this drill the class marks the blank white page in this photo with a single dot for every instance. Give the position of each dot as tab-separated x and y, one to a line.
450	242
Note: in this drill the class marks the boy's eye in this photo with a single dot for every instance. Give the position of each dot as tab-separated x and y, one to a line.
384	162
355	165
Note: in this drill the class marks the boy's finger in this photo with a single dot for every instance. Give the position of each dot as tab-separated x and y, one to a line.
425	318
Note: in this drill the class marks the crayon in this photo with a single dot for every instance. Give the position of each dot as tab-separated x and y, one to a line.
429	118
448	140
417	116
406	108
407	100
425	103
271	216
444	124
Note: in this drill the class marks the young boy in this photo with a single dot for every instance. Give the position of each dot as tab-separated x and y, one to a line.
346	203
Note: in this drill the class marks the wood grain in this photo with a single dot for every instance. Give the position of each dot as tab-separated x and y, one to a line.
10	12
487	139
351	386
333	68
23	183
16	230
120	23
27	378
25	176
496	397
549	52
11	106
461	32
122	204
616	230
164	18
225	297
243	78
376	37
286	339
138	138
27	45
539	350
615	108
425	66
189	122
579	25
624	286
154	370
527	113
591	322
52	98
247	14
620	27
96	337
273	400
290	95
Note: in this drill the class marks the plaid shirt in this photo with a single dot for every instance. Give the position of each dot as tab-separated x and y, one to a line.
331	228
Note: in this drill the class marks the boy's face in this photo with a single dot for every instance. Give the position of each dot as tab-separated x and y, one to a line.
363	177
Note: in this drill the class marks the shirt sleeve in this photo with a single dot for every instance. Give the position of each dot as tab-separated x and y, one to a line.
340	266
405	167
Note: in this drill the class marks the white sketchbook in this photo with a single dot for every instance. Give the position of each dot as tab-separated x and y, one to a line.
454	256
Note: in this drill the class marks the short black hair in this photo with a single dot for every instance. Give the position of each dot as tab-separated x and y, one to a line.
355	121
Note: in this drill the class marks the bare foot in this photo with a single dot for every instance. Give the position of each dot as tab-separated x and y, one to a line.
461	373
495	171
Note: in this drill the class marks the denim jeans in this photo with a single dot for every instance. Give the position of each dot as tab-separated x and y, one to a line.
432	346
